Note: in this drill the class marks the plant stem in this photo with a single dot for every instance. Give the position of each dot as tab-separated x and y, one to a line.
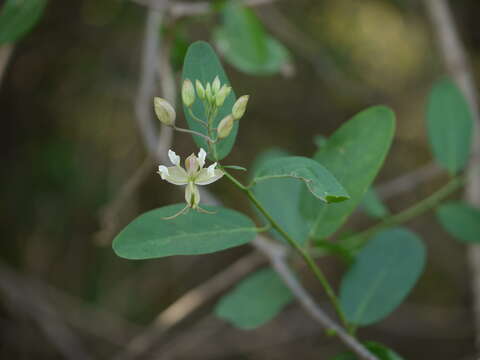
426	204
194	133
200	121
305	255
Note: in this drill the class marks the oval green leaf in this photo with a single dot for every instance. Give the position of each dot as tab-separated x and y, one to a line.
150	236
255	300
281	198
354	154
383	274
461	220
450	125
202	63
245	45
319	181
17	17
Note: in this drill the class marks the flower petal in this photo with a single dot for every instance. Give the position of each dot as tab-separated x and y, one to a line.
201	157
173	174
211	169
163	171
205	177
174	158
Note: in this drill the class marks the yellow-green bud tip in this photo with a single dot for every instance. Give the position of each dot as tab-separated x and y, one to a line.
225	127
222	95
164	111
240	106
200	89
188	93
215	85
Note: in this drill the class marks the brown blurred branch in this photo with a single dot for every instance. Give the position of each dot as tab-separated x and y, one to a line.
189	302
5	54
29	297
458	66
184	8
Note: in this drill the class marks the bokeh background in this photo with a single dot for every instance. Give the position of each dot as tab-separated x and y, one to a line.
69	142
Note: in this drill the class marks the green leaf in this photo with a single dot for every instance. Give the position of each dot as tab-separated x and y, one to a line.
244	43
450	126
150	236
381	351
373	206
202	63
354	154
383	274
255	300
281	198
17	17
461	220
319	181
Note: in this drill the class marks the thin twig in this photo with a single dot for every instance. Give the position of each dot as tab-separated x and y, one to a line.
182	9
277	259
457	64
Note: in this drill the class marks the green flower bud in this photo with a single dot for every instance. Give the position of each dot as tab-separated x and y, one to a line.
215	85
222	95
225	127
208	93
240	106
200	89
164	111
188	93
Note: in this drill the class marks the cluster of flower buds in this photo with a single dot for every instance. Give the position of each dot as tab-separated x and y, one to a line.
213	96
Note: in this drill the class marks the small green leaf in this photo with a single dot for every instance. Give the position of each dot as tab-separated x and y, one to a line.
450	125
17	17
255	300
461	220
354	154
201	63
373	206
319	181
383	274
150	236
244	44
281	198
381	351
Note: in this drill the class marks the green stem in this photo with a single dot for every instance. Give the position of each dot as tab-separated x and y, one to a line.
200	121
305	255
421	207
194	133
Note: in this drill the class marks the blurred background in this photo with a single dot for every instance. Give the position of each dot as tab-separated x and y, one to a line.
69	143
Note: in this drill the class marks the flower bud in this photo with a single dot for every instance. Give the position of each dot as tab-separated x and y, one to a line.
188	93
239	107
200	89
225	127
222	95
164	111
215	85
208	92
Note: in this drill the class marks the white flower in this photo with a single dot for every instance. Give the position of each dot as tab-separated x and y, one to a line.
192	175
